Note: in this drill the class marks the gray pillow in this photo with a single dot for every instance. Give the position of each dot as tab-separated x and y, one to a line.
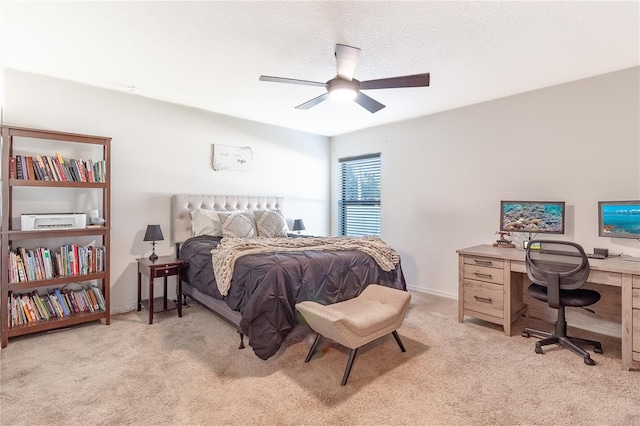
237	225
270	223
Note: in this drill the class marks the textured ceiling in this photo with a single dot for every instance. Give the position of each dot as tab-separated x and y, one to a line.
209	55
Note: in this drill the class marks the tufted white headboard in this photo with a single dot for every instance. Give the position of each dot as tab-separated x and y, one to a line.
183	204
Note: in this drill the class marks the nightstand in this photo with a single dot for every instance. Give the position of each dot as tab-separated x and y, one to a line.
163	266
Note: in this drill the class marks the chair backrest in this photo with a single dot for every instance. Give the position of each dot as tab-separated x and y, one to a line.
563	262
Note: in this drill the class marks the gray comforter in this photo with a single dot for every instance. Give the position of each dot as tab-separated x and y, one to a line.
265	287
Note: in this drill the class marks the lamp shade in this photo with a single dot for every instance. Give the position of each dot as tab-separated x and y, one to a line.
154	233
298	225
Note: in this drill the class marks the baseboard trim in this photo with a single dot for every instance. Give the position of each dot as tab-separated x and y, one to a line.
433	292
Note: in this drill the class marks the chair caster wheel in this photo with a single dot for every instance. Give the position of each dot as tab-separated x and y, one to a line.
525	334
589	361
598	350
539	350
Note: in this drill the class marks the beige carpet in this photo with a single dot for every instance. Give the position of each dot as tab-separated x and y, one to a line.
188	371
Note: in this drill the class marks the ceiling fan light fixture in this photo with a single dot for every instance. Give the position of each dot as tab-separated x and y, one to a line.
343	90
343	87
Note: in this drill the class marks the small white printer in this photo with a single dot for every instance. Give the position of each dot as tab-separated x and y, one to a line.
45	221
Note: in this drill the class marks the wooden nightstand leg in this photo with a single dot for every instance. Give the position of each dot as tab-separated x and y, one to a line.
139	291
179	297
164	298
150	300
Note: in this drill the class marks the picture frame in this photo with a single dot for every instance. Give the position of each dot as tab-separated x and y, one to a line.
232	158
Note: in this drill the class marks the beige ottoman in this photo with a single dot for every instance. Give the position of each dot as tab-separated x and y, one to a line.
353	323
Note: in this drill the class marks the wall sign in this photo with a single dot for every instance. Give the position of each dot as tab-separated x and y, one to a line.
236	158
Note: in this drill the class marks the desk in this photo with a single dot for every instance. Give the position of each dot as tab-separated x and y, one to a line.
490	287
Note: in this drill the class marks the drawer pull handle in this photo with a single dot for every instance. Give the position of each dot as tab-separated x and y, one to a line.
483	262
488	276
166	271
483	299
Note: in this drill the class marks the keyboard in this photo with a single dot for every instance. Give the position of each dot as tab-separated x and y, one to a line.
596	256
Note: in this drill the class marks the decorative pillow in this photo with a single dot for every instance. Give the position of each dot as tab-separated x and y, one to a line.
270	223
205	222
238	225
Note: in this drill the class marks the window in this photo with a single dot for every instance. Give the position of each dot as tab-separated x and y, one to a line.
359	204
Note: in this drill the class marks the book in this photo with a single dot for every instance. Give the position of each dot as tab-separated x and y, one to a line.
88	301
19	172
22	317
62	302
72	172
99	297
71	301
22	274
81	171
92	298
44	313
54	170
53	298
67	300
18	313
52	310
25	169
13	272
37	173
12	314
43	168
77	295
13	168
26	309
61	171
30	168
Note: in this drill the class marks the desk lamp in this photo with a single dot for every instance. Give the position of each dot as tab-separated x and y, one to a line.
153	234
298	225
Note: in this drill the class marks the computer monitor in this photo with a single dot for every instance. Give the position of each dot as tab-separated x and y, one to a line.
619	219
532	217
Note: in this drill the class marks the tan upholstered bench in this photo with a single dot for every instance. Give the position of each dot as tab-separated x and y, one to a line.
353	323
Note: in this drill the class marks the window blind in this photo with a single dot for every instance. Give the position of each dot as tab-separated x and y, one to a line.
359	204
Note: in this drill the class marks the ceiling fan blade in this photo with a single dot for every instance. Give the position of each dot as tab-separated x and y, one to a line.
313	102
416	80
368	103
291	81
346	60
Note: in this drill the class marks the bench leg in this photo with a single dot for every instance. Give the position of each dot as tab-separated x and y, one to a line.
347	371
313	348
397	337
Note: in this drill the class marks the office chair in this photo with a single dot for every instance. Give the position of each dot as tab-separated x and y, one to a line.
558	270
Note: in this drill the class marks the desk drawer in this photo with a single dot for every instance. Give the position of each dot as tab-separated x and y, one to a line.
167	271
484	297
482	273
484	261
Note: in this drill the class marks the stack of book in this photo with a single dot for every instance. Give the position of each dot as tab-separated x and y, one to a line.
27	308
43	264
41	167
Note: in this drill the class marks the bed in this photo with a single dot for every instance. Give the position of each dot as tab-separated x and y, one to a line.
264	286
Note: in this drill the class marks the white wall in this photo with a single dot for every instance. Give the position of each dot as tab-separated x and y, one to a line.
443	175
159	149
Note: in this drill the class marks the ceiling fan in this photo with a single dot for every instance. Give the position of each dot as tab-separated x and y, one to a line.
344	87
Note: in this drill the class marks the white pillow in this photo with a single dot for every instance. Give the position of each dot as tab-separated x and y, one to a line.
270	223
205	222
238	225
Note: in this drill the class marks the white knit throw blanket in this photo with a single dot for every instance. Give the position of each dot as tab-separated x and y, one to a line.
230	249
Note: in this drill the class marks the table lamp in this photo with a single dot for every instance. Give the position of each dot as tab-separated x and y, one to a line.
298	225
153	234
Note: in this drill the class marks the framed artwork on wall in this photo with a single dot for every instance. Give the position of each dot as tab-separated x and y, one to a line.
234	158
